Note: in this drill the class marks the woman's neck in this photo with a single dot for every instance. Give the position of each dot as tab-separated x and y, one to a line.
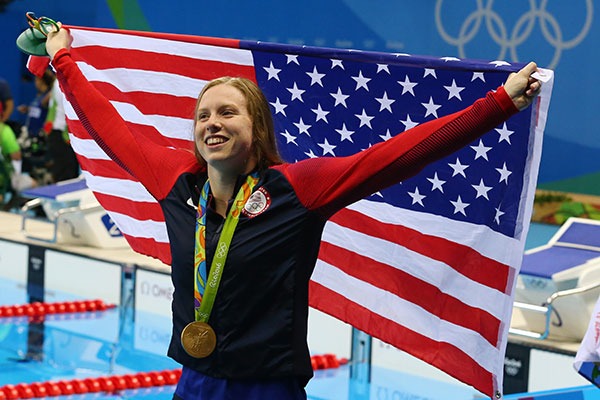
221	188
223	181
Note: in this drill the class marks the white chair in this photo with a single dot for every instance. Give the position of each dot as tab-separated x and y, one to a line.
559	284
74	215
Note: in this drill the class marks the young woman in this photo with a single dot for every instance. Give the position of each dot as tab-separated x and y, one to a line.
242	221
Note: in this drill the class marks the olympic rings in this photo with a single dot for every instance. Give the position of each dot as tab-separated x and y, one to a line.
43	24
222	250
485	16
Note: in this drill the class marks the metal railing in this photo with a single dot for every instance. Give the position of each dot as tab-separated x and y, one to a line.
53	219
547	309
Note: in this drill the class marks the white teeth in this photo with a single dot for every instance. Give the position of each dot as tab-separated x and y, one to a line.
215	140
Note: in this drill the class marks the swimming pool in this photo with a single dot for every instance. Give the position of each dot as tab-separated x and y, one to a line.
122	341
132	338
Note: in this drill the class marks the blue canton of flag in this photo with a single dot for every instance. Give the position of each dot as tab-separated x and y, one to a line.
337	106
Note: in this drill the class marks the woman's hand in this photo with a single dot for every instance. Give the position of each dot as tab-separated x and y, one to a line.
57	40
521	87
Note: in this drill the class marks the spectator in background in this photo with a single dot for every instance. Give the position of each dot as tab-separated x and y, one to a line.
7	103
61	160
32	137
12	180
37	109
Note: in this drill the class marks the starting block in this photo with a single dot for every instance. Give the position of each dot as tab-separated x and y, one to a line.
74	214
559	284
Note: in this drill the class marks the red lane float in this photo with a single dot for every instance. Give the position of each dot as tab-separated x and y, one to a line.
108	384
326	361
116	383
37	309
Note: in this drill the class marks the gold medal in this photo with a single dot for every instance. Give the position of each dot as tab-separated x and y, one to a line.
198	339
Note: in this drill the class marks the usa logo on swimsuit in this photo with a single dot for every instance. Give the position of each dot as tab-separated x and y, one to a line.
257	203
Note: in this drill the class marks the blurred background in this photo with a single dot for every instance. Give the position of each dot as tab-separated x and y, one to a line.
560	35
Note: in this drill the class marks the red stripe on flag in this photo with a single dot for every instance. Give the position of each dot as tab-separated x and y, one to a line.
461	258
77	129
104	168
104	58
151	103
232	43
141	210
440	354
147	131
37	65
150	247
412	289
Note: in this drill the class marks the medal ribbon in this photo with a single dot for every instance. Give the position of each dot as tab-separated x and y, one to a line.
205	289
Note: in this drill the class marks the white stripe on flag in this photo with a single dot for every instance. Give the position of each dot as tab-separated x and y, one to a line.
406	314
83	38
168	126
126	189
88	148
141	229
171	127
434	272
127	80
482	239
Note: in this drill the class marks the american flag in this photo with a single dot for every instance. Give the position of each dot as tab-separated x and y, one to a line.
428	265
587	359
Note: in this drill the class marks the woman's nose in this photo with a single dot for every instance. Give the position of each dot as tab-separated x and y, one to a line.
213	125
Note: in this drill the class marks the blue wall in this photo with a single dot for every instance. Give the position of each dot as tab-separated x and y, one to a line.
563	36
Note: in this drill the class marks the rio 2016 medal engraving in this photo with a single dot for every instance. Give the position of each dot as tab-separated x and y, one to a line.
198	339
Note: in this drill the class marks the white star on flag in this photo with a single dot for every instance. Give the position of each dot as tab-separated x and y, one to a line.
458	168
429	72
279	108
315	77
364	118
482	190
361	81
383	67
453	90
292	58
504	133
272	71
504	173
408	123
289	138
459	206
296	92
302	127
431	108
385	102
481	150
478	75
327	148
407	85
320	113
417	198
337	63
345	134
436	183
340	98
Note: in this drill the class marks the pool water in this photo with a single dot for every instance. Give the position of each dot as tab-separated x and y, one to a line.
64	347
124	341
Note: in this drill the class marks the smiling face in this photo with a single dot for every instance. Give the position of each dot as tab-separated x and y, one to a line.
223	131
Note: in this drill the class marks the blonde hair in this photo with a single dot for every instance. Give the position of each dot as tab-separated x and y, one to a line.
263	131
